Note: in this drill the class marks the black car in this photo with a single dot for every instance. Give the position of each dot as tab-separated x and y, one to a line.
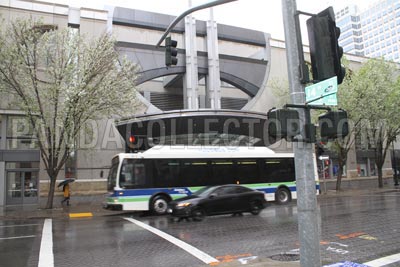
221	199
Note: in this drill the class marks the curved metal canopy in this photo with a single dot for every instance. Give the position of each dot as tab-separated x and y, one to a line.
199	127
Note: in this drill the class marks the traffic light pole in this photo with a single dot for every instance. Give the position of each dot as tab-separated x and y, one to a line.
304	161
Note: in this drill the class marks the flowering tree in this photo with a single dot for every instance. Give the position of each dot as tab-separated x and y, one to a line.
371	98
60	80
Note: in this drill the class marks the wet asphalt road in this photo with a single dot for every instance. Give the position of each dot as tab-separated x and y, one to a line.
359	229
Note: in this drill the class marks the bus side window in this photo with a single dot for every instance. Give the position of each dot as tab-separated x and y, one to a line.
166	172
280	170
194	172
247	171
222	171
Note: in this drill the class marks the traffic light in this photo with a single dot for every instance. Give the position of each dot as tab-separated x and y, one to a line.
334	124
283	123
171	52
325	51
320	149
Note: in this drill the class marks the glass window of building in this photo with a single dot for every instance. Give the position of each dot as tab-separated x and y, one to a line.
20	134
70	165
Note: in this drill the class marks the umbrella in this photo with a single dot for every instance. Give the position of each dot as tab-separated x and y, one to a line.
66	181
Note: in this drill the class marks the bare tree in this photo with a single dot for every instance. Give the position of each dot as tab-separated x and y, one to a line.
342	147
61	79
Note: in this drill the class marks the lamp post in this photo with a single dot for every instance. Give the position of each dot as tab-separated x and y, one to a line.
395	171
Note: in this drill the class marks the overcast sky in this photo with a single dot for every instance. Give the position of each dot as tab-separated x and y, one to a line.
262	15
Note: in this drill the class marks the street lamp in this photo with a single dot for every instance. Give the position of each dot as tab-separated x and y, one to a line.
395	171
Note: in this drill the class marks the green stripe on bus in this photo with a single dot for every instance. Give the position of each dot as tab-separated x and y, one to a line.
269	184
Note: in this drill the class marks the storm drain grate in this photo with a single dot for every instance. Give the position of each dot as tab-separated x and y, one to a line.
286	257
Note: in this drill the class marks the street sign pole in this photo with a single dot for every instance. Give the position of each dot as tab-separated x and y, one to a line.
304	162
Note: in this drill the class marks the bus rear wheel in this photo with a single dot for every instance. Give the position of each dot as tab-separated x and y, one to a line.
283	196
159	205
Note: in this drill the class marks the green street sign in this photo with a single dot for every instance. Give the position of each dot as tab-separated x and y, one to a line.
322	93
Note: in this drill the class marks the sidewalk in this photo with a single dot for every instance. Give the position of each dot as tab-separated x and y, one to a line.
79	204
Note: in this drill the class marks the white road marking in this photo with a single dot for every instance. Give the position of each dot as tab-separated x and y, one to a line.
17	237
185	246
384	261
46	256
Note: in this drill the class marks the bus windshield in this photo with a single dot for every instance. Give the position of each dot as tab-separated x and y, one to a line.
132	174
112	176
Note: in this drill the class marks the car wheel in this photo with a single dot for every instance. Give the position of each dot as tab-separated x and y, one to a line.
255	207
159	205
283	196
198	214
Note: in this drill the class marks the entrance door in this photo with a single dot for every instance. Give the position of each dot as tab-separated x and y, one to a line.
22	187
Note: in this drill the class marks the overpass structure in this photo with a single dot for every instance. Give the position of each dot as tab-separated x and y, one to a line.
240	58
237	58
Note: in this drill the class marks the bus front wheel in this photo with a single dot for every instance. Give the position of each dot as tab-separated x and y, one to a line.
159	205
283	196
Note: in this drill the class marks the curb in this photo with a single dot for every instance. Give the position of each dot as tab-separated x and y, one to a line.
261	262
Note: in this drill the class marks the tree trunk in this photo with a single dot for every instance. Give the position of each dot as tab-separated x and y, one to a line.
380	176
339	177
342	162
50	197
379	161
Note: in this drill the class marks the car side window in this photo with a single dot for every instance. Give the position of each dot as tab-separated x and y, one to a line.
225	191
240	190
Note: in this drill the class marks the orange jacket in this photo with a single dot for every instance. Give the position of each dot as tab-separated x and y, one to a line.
66	190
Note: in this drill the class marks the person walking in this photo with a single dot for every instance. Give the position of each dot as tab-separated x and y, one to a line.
67	194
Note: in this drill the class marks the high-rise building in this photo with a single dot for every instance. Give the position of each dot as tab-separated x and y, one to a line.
381	27
372	32
348	20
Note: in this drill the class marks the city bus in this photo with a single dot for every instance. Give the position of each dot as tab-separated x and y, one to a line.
149	180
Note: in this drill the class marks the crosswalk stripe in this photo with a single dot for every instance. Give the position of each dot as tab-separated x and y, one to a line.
46	256
185	246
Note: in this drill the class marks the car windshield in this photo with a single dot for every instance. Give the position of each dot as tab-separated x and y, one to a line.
204	191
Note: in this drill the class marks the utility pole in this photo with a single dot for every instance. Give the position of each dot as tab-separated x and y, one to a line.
213	89
303	151
191	77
